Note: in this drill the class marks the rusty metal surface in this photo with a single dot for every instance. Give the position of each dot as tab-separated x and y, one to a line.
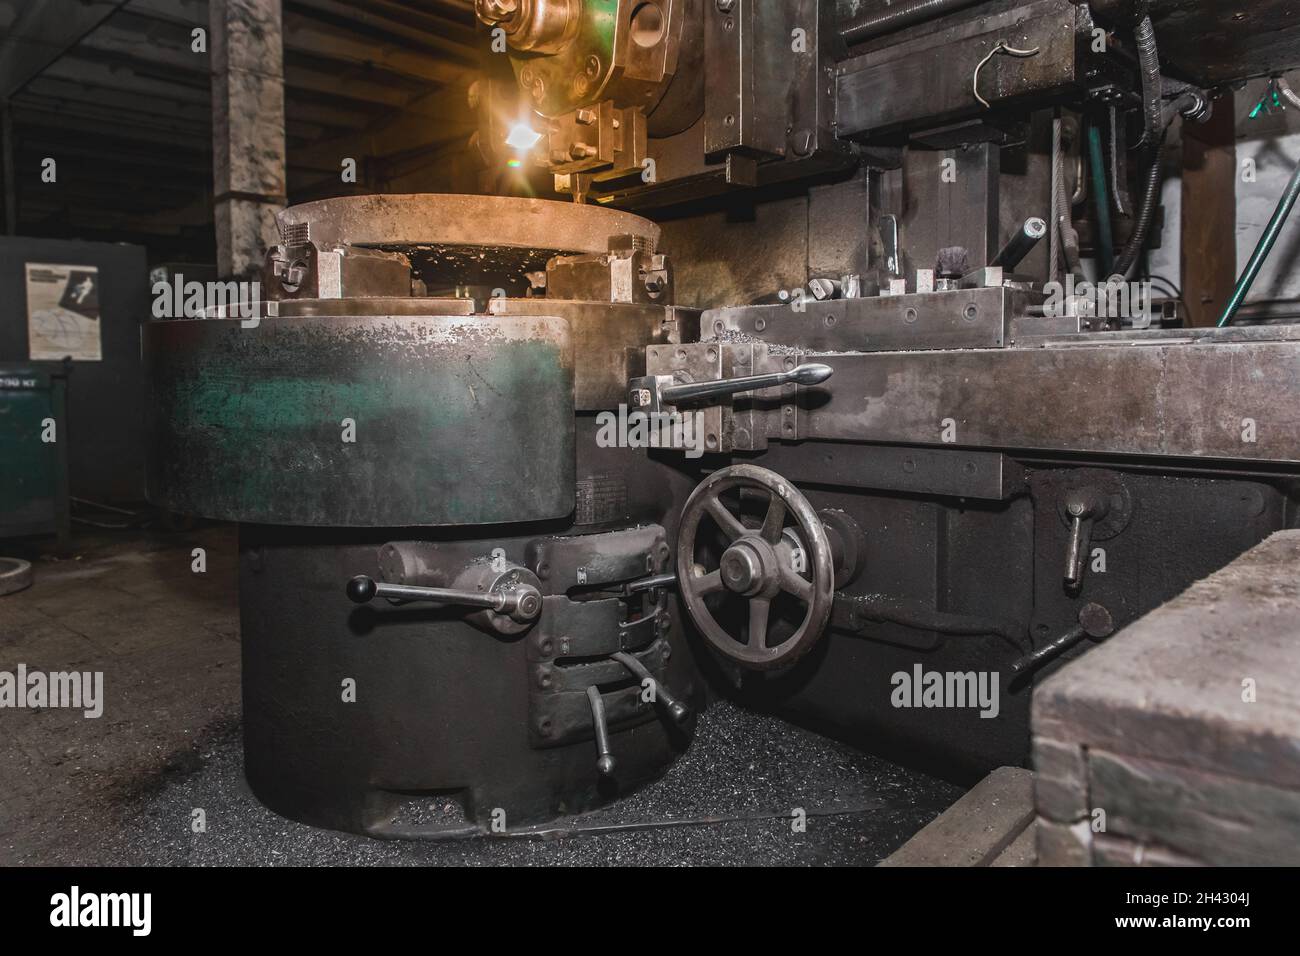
455	240
377	306
960	318
1231	397
457	421
1209	42
926	80
447	220
609	341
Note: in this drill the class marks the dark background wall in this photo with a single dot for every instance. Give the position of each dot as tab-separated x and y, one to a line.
105	430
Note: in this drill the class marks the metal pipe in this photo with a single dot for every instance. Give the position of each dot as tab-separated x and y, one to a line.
1263	248
1097	166
897	16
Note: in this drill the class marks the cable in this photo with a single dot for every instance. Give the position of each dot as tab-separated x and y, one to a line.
1263	248
1000	47
1165	286
1128	259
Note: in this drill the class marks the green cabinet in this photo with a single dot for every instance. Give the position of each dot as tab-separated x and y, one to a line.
33	453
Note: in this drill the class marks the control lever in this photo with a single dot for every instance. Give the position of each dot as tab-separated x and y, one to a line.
801	375
1084	507
605	762
522	603
1094	621
651	392
668	580
676	709
1021	244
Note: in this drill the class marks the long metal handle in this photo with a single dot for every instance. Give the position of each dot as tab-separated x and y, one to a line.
1076	553
524	600
802	375
676	709
1021	244
668	580
1094	621
605	762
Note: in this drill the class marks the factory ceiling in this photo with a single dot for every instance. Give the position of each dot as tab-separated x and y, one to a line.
116	92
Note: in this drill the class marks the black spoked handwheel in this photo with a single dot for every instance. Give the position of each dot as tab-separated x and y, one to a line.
759	564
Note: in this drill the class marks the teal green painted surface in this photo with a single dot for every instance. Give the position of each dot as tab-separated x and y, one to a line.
251	429
29	467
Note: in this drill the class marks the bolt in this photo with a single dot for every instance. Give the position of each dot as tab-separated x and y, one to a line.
726	6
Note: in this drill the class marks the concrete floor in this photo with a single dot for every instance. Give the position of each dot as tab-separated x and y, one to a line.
121	789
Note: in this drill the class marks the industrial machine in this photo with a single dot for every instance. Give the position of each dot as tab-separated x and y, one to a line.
474	597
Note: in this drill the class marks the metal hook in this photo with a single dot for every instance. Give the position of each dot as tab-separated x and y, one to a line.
1000	47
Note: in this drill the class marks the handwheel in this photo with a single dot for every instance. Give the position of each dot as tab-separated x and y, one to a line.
758	565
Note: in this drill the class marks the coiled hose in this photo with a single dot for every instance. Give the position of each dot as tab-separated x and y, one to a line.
1128	259
1190	102
1152	88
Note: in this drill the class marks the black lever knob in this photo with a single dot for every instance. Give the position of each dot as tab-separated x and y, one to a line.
362	589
